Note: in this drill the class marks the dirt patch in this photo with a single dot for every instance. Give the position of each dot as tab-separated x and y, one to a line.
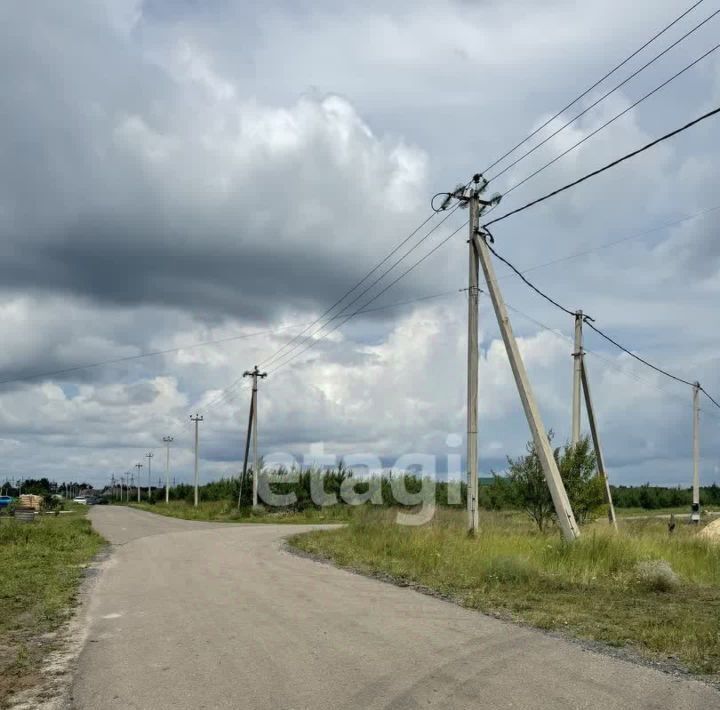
711	532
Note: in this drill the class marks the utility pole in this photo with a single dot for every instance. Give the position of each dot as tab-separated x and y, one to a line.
247	447
252	426
138	466
563	510
167	440
472	365
581	382
197	419
149	455
695	515
577	376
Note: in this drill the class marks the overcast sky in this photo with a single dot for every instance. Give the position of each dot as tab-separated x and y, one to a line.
173	172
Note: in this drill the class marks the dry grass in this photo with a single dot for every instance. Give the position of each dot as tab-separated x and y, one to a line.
640	588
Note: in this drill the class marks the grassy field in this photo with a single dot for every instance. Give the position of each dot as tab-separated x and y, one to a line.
642	589
227	512
41	567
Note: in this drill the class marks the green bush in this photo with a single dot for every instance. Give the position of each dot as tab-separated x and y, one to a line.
528	488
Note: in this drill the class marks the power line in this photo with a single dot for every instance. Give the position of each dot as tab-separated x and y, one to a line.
589	321
559	113
615	242
613	164
712	399
637	357
154	353
606	361
268	361
380	293
595	85
227	391
202	344
529	283
612	120
605	95
357	285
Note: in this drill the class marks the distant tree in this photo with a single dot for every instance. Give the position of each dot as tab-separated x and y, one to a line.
577	468
500	494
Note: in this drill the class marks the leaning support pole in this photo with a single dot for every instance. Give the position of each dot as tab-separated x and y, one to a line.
565	516
600	459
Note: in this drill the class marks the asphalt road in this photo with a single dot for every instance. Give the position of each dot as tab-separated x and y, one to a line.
191	615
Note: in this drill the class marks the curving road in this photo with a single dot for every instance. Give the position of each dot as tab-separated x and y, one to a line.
192	615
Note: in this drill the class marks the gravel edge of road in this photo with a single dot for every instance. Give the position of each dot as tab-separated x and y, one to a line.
627	653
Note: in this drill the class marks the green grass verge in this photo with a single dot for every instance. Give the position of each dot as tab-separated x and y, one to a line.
639	588
227	512
41	567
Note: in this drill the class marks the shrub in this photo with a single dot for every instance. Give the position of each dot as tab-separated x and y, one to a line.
656	576
577	467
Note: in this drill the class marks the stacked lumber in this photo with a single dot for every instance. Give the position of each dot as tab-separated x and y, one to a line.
27	500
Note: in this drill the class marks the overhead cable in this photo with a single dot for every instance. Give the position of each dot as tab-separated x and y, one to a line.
613	164
594	86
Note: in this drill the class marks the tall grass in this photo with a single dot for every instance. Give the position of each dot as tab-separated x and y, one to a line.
639	587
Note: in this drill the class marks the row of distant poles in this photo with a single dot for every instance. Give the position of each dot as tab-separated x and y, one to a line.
124	483
479	253
128	481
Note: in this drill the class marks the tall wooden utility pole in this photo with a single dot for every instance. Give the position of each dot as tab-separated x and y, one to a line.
695	514
252	427
563	510
149	455
138	466
197	419
472	366
577	376
167	440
